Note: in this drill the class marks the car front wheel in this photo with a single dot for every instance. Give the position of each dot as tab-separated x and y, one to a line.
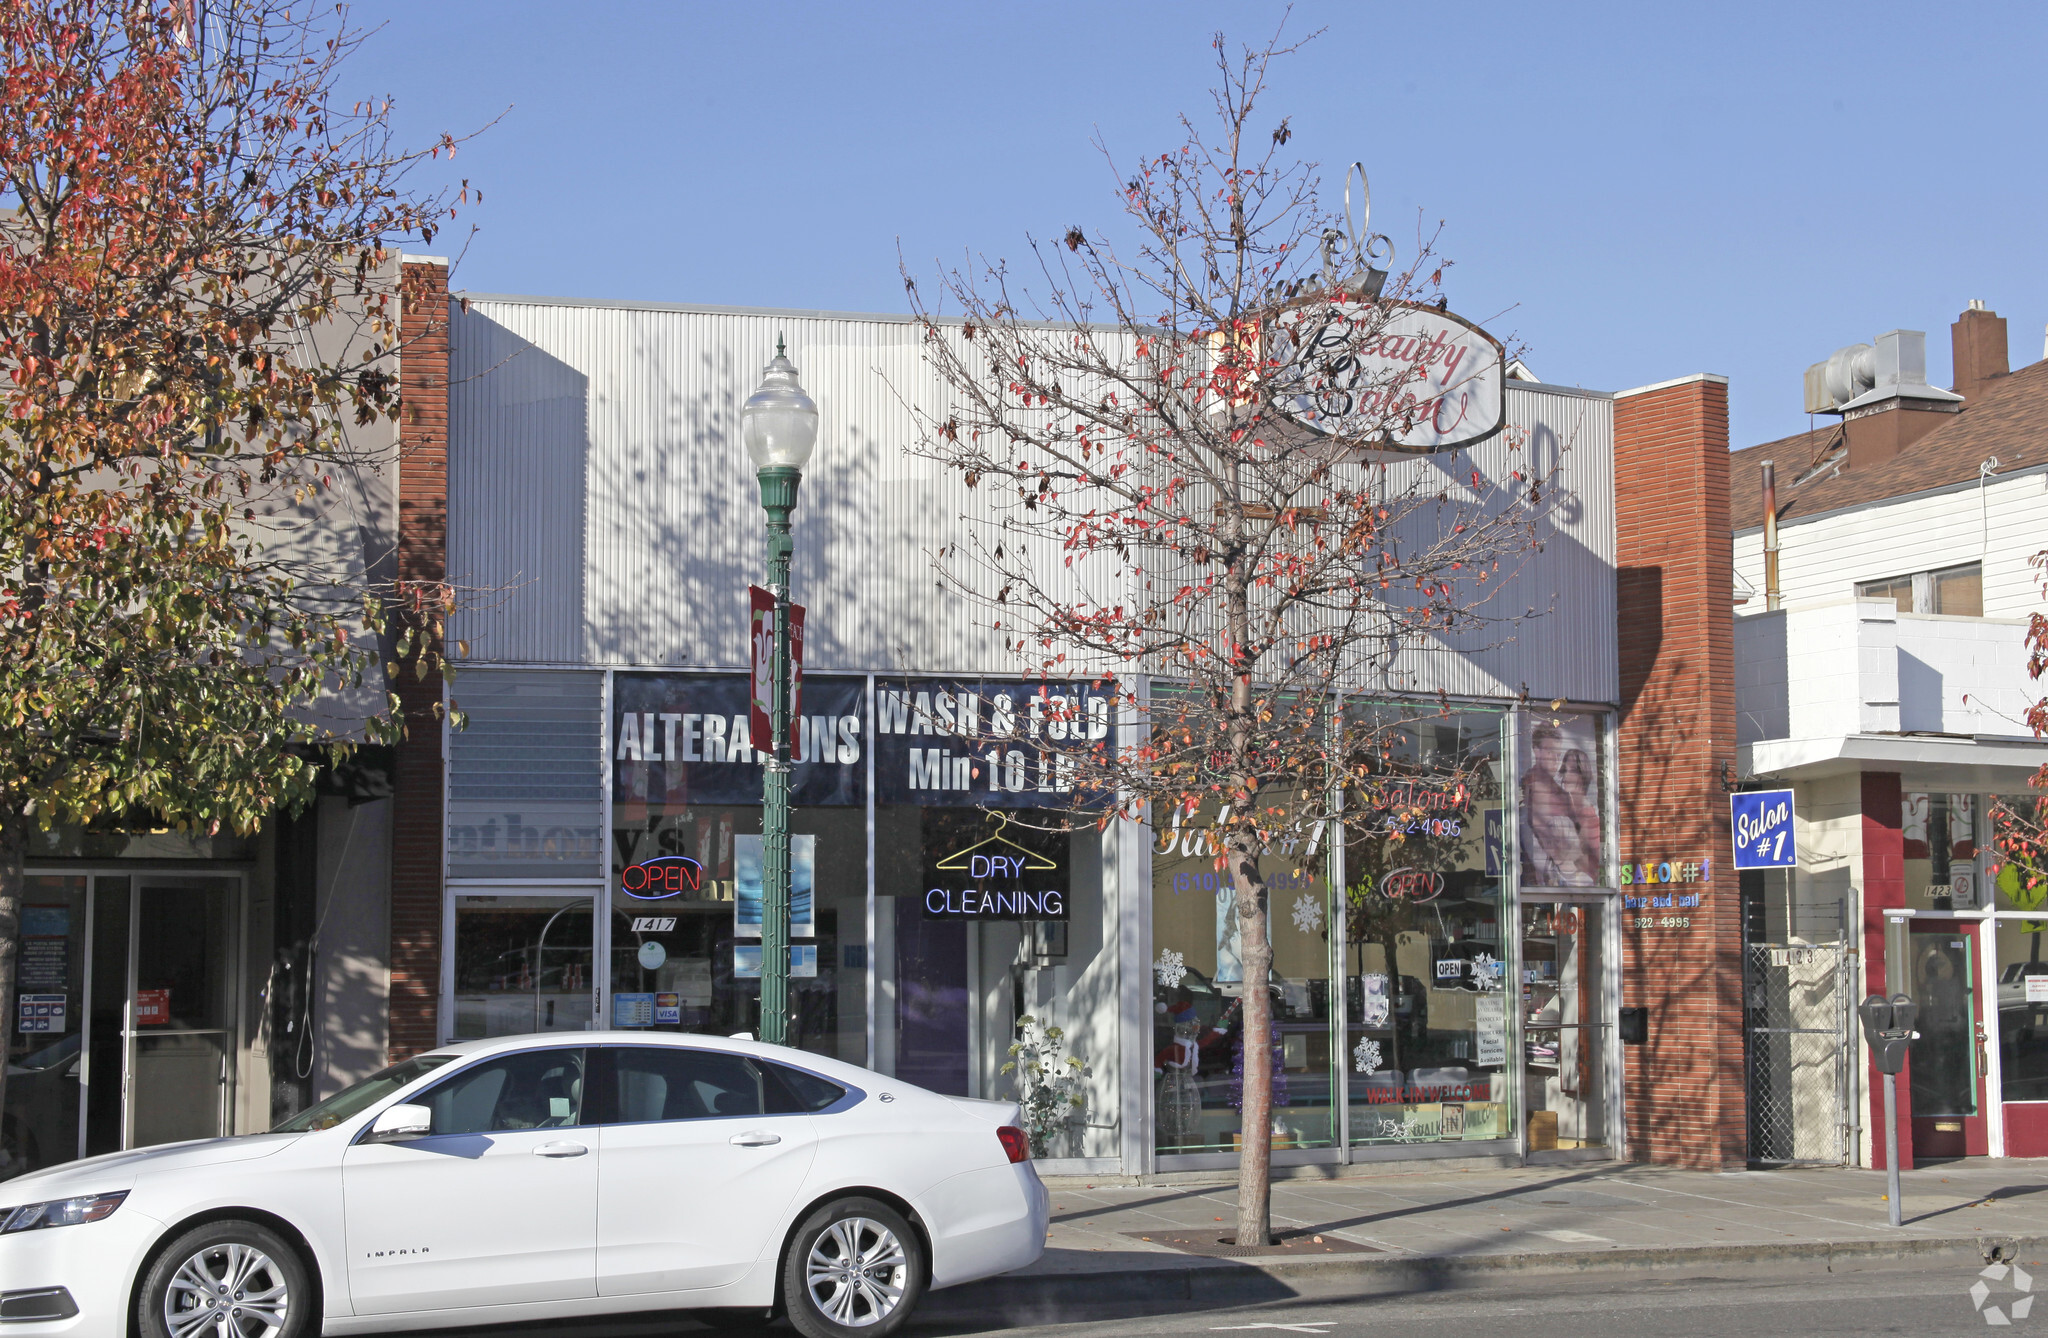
227	1280
854	1267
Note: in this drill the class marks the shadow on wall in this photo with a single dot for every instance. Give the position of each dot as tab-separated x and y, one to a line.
1686	975
354	935
519	449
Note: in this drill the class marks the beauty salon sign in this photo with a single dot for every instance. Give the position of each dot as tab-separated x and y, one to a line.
1430	380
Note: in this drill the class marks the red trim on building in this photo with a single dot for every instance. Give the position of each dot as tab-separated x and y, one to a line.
1884	888
1687	1105
422	558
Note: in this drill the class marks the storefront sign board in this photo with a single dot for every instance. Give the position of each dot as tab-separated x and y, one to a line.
688	739
1429	381
968	743
1763	829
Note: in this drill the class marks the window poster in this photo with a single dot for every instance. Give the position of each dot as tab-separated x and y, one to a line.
746	904
1560	828
683	739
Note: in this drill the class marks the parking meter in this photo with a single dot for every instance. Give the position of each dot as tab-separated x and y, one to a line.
1888	1028
1883	1029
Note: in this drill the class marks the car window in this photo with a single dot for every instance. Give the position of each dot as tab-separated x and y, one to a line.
529	1089
658	1083
364	1094
805	1091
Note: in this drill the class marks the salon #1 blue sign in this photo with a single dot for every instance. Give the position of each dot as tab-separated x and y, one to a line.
1762	822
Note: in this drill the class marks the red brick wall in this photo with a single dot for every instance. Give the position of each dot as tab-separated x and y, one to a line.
1685	1099
1884	887
422	558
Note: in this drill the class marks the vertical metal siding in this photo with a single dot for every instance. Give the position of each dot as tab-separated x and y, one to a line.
667	525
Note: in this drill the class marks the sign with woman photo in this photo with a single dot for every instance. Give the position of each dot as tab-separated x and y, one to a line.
1560	828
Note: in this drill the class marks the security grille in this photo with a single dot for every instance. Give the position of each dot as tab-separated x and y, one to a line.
1797	1020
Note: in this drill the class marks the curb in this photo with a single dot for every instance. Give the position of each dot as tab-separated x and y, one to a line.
1222	1282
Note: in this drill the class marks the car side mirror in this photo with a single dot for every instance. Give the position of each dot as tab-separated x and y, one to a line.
401	1124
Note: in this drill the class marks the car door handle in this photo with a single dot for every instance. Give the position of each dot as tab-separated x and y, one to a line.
560	1150
758	1138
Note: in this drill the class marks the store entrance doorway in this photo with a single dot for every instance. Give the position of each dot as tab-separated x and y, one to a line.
1566	1032
1948	1059
127	1015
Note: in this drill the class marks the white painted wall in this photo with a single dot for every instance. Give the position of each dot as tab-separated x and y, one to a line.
1858	666
1823	558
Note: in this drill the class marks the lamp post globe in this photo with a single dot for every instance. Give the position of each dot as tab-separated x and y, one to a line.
779	428
779	422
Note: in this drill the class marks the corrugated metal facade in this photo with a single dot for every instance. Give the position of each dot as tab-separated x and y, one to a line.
602	511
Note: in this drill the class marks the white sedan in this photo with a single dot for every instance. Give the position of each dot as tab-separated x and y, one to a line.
532	1178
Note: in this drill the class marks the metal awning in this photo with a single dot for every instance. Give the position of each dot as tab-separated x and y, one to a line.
1955	763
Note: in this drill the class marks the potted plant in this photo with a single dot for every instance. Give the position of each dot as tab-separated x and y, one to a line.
1051	1086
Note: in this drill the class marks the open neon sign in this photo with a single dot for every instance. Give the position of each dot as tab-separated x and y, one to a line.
662	877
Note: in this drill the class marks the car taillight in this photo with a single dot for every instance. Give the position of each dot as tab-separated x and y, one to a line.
1015	1144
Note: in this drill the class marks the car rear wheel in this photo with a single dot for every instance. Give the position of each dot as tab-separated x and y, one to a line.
855	1267
227	1280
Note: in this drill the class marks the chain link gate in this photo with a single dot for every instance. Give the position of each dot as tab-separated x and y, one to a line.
1797	1013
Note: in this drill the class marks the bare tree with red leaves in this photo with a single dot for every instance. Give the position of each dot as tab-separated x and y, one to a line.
1198	461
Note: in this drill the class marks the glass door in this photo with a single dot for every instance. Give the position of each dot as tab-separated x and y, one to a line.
522	963
1565	1027
1947	1062
181	1008
45	1068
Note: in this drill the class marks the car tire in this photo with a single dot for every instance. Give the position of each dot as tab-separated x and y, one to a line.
233	1264
855	1269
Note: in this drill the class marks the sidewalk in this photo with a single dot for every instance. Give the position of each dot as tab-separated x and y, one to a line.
1428	1228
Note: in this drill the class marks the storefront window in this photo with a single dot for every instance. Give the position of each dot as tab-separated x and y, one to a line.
43	1069
1940	832
988	910
1425	1046
1199	985
685	887
2023	1010
2016	865
522	964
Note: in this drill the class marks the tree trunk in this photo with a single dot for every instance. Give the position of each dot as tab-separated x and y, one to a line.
13	849
1255	1154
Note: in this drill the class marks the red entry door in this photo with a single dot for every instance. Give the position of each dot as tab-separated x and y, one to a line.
1947	1065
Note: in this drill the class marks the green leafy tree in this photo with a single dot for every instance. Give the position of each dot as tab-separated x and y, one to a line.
199	318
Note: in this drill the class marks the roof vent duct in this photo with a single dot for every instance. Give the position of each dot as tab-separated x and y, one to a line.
1863	377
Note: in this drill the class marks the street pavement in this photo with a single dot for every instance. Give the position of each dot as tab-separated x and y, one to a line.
1853	1301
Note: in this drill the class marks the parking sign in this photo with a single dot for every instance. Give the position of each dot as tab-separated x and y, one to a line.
1763	829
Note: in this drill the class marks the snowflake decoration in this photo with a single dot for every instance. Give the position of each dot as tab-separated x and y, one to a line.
1308	913
1486	970
1171	968
1367	1055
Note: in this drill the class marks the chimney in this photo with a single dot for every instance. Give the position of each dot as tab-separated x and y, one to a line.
1882	395
1978	337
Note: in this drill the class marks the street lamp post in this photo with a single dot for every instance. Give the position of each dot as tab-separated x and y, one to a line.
779	425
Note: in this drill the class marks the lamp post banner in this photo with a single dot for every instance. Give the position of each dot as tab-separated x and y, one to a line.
967	743
681	739
1432	381
761	642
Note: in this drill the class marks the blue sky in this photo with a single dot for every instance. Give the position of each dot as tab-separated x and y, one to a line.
1635	192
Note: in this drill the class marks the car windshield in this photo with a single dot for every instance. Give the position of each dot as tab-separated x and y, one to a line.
366	1093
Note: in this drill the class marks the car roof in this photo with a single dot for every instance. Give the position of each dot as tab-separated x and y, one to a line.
565	1040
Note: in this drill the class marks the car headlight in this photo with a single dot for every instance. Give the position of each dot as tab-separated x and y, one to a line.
59	1212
